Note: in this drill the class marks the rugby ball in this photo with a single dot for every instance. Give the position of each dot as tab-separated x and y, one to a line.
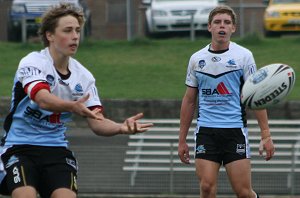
268	86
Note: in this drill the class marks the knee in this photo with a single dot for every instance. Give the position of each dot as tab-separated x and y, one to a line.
245	193
207	187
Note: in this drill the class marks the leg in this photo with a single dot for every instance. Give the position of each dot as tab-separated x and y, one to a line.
59	177
21	172
63	192
25	191
207	173
239	174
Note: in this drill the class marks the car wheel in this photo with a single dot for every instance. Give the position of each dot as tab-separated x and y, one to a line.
271	34
14	34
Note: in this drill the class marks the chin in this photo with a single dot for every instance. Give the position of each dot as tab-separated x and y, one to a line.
71	53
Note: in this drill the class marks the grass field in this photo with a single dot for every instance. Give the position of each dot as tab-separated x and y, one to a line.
149	69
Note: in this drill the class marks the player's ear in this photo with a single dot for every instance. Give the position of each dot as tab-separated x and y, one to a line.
209	27
49	36
233	28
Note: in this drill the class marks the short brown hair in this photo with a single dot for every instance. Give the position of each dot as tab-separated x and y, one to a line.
223	9
51	17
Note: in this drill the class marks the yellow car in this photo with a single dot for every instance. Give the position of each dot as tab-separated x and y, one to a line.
282	16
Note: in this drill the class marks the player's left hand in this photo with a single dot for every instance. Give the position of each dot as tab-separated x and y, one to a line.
267	145
132	126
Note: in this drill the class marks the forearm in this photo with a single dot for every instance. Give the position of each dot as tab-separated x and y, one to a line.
105	127
186	117
262	119
50	102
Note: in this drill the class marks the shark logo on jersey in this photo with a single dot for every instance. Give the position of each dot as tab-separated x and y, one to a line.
78	90
201	63
231	63
50	80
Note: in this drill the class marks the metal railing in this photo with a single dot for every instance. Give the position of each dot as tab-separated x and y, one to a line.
156	151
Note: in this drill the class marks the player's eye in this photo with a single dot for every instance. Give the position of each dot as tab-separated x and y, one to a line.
217	21
227	22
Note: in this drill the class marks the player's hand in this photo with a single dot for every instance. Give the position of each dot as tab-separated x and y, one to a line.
183	153
132	126
266	145
80	109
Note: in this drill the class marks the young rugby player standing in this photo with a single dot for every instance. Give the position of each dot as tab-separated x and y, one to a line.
215	76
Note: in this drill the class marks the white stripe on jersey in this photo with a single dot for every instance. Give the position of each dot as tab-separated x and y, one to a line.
31	86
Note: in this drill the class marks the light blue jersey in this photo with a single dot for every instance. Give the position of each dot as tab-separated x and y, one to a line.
27	123
219	78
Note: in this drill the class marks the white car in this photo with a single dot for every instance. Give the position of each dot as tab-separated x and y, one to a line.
176	15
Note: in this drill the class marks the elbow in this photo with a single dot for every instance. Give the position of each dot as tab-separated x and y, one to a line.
97	130
42	104
101	133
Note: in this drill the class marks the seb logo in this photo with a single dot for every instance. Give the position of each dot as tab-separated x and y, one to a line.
221	89
34	113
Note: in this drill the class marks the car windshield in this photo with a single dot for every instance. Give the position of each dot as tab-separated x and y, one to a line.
285	1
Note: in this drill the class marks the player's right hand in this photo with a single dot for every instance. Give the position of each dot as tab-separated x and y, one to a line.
80	109
183	153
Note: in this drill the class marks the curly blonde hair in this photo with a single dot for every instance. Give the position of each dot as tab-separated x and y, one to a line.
51	17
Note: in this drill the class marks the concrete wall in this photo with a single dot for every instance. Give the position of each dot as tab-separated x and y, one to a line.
167	108
109	18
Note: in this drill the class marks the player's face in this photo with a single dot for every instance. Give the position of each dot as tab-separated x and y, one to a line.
65	39
221	28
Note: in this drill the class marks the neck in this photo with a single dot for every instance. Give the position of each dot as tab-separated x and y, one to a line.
219	46
60	61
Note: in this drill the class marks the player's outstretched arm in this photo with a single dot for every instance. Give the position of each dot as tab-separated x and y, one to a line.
50	102
107	127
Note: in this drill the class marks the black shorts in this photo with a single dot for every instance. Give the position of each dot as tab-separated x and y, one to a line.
44	168
222	145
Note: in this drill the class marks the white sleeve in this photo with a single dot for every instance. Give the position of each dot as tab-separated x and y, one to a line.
250	66
94	99
30	70
191	79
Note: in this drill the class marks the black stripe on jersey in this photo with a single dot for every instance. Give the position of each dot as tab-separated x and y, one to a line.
18	96
217	51
64	76
243	108
219	75
191	86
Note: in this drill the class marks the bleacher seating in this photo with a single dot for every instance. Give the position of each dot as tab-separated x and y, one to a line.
156	150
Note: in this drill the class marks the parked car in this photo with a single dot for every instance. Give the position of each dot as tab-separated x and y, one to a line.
281	16
31	12
176	15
